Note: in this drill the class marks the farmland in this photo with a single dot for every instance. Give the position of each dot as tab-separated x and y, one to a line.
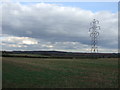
59	73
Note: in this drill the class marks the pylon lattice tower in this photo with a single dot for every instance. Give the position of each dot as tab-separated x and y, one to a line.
94	35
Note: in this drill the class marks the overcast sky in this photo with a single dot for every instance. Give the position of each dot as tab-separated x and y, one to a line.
58	26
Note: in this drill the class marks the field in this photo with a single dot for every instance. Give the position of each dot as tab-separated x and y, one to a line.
59	73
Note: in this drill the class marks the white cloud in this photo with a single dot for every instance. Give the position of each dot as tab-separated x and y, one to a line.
19	40
30	24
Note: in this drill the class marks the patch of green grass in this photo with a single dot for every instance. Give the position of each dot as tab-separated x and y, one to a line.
58	73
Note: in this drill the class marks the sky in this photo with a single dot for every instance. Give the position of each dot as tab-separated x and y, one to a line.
60	26
93	6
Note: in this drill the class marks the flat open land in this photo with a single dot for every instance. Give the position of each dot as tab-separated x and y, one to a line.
59	73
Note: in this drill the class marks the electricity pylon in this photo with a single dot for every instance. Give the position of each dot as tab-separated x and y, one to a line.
94	35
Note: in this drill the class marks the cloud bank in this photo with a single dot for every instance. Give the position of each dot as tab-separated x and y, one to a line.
45	26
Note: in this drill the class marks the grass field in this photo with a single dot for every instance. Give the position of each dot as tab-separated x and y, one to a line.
59	73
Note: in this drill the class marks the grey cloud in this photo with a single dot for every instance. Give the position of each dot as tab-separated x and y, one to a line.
53	23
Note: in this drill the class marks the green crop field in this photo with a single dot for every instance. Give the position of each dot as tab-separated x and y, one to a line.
59	73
